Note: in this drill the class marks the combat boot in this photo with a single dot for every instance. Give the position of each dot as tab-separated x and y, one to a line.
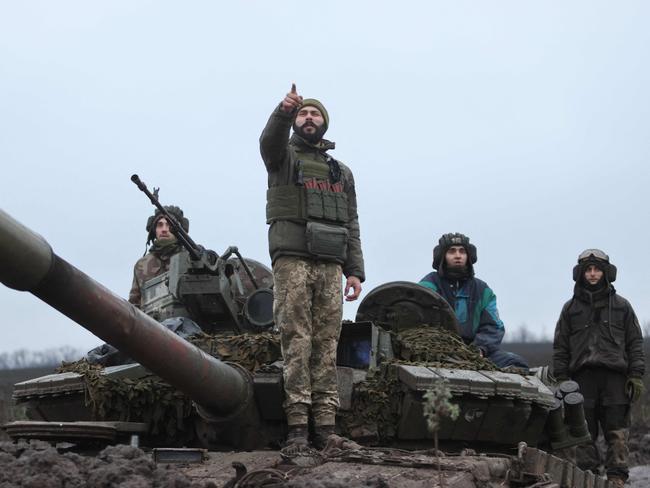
321	433
615	482
297	443
297	435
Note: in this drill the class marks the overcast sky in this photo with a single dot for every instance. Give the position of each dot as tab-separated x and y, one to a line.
521	124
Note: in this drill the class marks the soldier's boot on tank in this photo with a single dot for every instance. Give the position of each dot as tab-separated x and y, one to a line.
321	433
615	482
297	437
617	457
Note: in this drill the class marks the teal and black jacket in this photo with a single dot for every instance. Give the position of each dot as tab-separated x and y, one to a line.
475	305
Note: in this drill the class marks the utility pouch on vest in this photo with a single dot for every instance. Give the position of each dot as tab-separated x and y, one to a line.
314	203
284	203
294	202
327	205
341	207
327	241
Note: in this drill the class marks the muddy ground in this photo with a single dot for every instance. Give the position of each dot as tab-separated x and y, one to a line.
37	464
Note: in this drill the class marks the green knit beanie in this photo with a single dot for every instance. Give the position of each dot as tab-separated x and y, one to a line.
312	102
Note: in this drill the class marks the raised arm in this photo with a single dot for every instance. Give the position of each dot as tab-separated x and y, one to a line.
274	138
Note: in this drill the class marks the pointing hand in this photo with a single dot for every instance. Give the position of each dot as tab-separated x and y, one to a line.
292	100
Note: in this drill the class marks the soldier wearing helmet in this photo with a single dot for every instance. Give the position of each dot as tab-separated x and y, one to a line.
163	246
311	209
598	343
474	303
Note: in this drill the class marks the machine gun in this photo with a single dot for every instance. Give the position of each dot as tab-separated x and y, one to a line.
204	286
238	409
197	253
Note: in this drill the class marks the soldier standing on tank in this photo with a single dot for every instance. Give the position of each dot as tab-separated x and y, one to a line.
163	246
598	343
473	301
313	240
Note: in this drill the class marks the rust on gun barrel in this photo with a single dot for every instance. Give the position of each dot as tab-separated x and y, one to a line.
28	263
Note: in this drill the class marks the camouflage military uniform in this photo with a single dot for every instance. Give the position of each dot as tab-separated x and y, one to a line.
153	264
307	287
308	305
156	261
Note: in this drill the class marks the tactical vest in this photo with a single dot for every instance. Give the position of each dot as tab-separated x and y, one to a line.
316	195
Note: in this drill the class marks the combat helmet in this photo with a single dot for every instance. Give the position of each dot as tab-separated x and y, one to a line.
595	257
454	239
175	212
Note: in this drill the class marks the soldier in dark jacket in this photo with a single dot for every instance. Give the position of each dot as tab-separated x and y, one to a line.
473	301
598	343
313	240
163	246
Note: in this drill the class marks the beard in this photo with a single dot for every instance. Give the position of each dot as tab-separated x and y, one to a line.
456	272
312	137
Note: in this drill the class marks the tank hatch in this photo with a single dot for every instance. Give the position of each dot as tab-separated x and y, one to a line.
402	304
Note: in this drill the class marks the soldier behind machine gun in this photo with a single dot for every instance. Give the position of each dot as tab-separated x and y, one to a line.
178	224
164	245
209	280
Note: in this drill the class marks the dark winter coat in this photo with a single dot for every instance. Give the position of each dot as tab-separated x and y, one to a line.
598	330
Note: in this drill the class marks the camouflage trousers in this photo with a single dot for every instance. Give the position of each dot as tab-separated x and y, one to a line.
308	308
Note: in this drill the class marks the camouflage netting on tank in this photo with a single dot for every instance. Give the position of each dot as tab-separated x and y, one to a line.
438	348
248	350
375	405
148	399
151	399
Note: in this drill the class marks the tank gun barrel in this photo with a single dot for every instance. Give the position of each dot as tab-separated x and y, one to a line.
28	263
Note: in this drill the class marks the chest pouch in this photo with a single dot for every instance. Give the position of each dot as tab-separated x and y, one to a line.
327	205
327	241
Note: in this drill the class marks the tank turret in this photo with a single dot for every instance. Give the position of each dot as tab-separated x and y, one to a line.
28	263
404	342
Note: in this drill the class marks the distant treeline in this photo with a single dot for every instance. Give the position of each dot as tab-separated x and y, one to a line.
24	358
541	353
523	334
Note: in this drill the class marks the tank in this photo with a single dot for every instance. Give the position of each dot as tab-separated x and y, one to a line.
400	356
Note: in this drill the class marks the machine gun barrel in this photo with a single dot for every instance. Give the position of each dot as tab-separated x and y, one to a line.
28	263
182	236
